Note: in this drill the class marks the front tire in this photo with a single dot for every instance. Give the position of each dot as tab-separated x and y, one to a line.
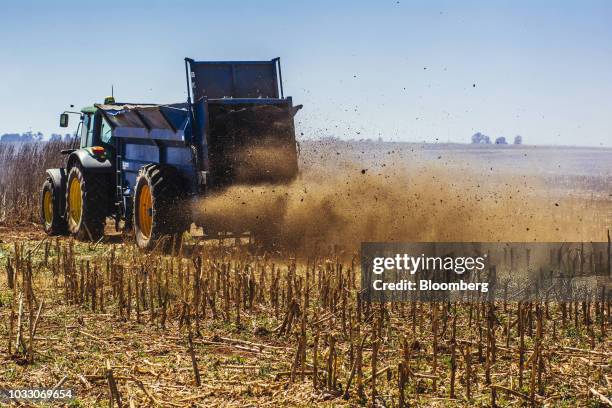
86	204
50	214
157	211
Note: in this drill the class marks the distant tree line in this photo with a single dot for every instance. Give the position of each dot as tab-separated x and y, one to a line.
481	138
33	137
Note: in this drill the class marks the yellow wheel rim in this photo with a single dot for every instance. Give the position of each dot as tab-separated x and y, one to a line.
47	208
145	211
75	202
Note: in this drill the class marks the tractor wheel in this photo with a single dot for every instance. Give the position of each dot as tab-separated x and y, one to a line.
86	204
50	214
158	213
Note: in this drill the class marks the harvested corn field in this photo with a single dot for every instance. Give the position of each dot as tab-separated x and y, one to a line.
221	323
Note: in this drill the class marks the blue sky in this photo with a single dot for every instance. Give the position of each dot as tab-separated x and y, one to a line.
410	71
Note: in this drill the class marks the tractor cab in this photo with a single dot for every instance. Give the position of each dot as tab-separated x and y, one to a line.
93	128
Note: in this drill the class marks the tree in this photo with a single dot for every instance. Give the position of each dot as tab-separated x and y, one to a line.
518	139
479	138
501	140
27	137
10	138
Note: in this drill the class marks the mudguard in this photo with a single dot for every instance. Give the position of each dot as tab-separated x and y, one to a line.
58	178
89	162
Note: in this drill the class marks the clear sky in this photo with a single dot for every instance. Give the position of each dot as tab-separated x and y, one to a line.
402	70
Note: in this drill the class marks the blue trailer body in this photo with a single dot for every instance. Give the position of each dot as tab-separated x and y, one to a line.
183	135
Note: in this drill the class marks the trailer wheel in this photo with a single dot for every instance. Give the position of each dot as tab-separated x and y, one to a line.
158	216
86	204
50	215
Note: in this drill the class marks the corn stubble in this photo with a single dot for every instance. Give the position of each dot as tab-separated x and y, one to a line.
22	173
217	325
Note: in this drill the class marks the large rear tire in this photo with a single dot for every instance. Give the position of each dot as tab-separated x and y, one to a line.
87	198
50	214
159	215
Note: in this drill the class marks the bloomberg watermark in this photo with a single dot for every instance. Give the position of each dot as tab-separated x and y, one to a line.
481	271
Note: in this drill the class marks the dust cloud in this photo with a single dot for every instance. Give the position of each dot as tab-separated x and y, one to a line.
255	164
343	202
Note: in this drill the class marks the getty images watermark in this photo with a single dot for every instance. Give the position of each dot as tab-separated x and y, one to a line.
485	271
412	264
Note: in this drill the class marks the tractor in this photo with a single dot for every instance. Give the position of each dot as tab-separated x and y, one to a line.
142	164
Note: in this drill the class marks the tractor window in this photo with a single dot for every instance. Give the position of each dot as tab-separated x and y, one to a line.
106	133
87	131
